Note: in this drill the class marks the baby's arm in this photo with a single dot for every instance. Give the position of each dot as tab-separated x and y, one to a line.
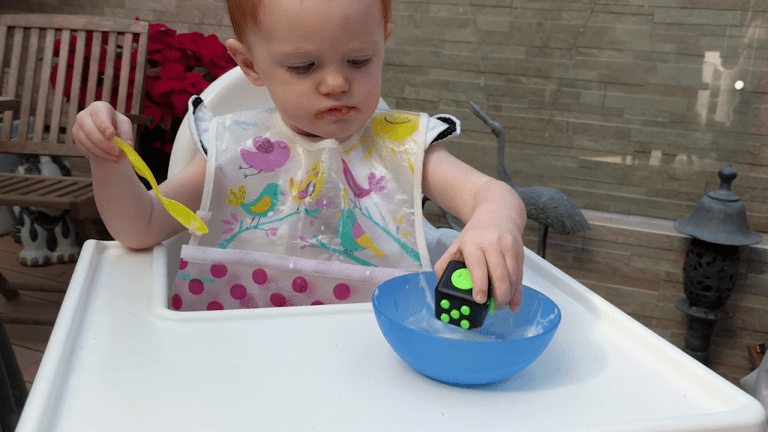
491	242
133	215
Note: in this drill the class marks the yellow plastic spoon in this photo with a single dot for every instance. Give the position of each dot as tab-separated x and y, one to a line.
176	209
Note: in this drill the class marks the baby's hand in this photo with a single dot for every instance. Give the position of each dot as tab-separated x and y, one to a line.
489	251
94	129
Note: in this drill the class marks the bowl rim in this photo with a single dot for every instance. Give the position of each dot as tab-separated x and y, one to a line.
552	328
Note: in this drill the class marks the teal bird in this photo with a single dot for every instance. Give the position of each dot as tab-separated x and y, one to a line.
352	235
259	207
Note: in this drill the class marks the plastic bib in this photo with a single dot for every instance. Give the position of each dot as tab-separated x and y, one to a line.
299	222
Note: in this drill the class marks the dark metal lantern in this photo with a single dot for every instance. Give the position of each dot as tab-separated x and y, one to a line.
718	226
720	217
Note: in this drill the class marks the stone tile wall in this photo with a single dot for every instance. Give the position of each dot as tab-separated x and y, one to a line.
628	106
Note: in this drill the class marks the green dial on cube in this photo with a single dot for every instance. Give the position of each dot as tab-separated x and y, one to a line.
461	279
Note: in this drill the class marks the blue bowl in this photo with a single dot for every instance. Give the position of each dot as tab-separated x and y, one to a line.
506	343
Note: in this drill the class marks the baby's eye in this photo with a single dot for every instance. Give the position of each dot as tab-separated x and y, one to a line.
302	69
359	63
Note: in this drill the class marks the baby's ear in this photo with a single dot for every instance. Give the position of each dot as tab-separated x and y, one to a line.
242	57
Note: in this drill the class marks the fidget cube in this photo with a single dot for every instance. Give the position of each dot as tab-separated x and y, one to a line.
453	298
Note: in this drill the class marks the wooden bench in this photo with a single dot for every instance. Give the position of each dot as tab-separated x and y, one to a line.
36	88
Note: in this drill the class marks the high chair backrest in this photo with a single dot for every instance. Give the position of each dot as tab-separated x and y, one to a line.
231	92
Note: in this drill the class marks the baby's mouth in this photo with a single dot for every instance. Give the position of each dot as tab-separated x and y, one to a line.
335	112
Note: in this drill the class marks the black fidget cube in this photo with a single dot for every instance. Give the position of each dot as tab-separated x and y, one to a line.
453	298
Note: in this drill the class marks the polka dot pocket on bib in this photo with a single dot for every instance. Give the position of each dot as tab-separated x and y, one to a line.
212	280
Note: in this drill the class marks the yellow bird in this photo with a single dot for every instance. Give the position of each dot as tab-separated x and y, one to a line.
306	190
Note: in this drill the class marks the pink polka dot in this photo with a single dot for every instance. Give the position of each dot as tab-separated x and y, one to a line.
214	305
299	284
176	302
196	286
218	271
238	291
259	276
341	291
278	300
316	303
183	264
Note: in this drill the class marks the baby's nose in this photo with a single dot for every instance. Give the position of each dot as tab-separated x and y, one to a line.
334	82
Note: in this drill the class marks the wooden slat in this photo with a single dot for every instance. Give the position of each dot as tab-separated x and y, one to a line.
58	98
29	177
39	148
109	73
29	81
74	22
70	189
141	66
74	189
12	182
83	192
45	76
35	201
33	187
45	186
13	78
93	69
77	74
122	89
3	34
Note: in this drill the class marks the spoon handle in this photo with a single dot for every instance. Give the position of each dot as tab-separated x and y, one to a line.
176	209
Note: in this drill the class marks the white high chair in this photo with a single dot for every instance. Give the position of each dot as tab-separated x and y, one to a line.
232	92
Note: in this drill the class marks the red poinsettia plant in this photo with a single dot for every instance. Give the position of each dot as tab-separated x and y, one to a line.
179	65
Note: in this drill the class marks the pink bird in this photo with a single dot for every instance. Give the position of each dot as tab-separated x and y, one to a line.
268	157
374	184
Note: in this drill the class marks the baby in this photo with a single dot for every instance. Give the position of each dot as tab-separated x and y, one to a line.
323	178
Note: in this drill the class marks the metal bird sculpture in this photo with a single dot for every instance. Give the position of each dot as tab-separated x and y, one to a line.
547	206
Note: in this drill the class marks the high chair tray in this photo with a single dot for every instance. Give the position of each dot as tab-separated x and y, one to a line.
119	360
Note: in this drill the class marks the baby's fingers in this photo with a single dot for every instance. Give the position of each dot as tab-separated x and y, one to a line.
91	141
452	253
94	129
503	289
124	128
476	264
514	260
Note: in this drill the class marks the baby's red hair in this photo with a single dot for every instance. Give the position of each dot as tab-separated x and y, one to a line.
244	13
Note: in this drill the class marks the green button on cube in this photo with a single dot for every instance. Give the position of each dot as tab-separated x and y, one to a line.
445	318
445	304
465	310
454	314
464	324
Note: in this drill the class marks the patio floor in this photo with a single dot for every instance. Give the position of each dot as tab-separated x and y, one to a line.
29	341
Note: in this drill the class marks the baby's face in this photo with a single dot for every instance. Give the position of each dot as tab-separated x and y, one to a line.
321	62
